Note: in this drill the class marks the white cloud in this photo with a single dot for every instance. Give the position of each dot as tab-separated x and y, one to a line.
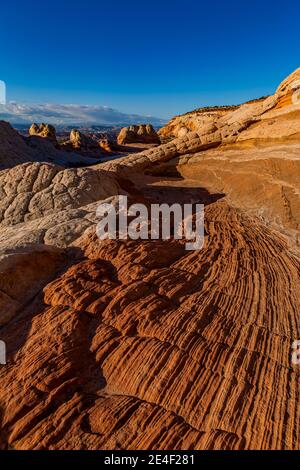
71	114
2	92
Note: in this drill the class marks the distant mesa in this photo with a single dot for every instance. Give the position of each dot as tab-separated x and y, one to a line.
143	133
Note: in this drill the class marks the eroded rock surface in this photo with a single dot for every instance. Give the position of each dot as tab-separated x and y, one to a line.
84	145
152	347
143	133
44	130
142	344
16	149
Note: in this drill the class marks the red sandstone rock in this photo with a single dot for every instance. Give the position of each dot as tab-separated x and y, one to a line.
138	346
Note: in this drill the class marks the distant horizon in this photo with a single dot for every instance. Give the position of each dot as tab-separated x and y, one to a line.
75	115
212	99
60	120
125	118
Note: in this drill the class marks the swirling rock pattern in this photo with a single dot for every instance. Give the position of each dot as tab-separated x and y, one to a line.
154	348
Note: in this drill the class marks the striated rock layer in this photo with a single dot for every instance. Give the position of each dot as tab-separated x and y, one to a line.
147	346
142	344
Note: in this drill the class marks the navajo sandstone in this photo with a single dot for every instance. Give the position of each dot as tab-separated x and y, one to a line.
142	344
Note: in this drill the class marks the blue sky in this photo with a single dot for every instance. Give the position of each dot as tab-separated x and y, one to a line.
148	57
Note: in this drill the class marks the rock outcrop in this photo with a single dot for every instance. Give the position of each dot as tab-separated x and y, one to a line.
84	145
144	133
44	130
140	344
81	141
109	145
13	147
16	149
179	126
45	203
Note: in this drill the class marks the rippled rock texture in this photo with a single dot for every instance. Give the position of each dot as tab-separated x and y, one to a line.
142	346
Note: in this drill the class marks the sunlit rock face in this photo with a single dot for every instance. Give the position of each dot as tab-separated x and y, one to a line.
143	133
44	130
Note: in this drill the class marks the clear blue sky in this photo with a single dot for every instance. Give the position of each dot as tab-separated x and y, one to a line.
154	57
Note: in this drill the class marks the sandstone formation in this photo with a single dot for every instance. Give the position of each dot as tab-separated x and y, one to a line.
83	144
44	130
109	145
148	347
42	202
179	126
79	140
142	344
15	150
144	133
